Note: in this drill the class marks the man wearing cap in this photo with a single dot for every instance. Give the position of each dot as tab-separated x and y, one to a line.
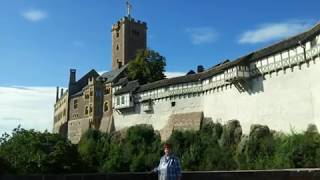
169	167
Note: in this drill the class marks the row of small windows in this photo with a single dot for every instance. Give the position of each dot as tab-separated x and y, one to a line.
60	115
87	96
282	55
118	100
174	87
88	109
134	32
60	103
122	98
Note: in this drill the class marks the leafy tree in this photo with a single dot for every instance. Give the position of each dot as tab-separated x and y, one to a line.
93	148
138	150
148	66
299	150
30	152
258	149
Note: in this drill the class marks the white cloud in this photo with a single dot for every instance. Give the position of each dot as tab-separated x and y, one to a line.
174	74
31	107
102	71
34	15
202	35
273	31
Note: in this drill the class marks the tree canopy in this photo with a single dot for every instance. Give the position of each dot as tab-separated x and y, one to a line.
213	147
148	66
30	152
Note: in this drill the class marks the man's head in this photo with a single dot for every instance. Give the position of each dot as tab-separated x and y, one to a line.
167	148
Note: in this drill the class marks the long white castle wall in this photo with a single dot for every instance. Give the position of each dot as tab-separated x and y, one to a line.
161	112
285	97
283	101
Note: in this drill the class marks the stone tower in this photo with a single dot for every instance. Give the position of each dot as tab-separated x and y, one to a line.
128	36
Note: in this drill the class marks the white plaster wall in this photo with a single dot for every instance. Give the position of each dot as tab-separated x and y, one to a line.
161	111
284	101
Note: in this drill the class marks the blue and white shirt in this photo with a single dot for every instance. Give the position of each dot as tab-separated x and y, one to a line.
169	168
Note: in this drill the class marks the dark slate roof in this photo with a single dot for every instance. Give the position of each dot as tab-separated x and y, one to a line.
287	43
122	81
112	75
130	87
275	48
81	83
80	93
171	81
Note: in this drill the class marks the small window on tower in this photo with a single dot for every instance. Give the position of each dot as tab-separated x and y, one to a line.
117	34
117	47
86	111
75	104
106	107
119	64
107	91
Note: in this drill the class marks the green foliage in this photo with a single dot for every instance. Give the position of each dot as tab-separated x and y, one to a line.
148	66
138	150
300	150
259	148
213	147
93	148
201	150
30	152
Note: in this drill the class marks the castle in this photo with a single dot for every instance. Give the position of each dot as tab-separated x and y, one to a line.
277	86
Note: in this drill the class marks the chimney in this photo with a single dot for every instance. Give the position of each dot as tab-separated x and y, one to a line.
200	69
57	95
72	76
61	93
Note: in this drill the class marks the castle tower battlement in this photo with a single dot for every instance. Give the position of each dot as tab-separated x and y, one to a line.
128	36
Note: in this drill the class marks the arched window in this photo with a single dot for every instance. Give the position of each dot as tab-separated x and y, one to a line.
86	110
90	109
106	107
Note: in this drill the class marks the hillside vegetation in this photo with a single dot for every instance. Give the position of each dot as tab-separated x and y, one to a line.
214	147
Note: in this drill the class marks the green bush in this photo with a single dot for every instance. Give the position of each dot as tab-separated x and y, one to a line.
139	148
93	149
30	152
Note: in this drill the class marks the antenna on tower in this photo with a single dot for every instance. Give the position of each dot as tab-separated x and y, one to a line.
129	7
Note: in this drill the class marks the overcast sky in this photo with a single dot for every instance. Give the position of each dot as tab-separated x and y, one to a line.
40	40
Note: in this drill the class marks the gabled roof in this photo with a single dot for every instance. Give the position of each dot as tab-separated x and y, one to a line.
287	43
130	87
112	75
81	83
